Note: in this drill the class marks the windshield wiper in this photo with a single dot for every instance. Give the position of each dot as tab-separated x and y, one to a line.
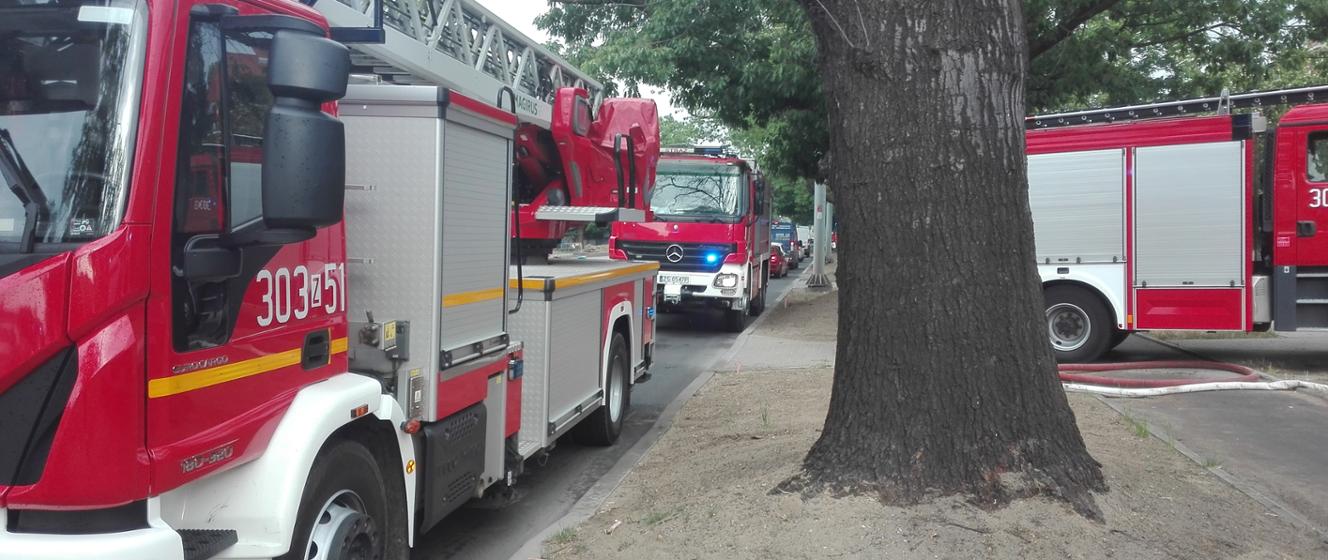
21	183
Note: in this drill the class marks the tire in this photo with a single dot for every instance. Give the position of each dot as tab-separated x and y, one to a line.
757	306
735	320
1079	327
346	491
603	426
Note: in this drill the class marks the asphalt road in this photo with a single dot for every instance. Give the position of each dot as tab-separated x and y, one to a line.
684	347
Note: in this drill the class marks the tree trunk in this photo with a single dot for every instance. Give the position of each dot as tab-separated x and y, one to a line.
944	380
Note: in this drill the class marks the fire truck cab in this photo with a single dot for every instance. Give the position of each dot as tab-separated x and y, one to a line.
710	234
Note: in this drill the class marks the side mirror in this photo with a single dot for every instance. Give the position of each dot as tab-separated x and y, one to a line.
572	114
207	259
760	194
304	149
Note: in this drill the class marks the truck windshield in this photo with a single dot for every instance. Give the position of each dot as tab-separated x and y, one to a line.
70	73
696	191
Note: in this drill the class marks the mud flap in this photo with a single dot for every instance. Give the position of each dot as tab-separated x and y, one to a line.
453	463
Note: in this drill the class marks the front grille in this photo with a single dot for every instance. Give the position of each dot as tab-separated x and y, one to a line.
693	254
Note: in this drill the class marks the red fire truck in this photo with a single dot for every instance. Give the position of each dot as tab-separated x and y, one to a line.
199	357
1166	216
710	234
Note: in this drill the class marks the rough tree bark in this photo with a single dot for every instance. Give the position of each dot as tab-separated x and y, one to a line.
944	380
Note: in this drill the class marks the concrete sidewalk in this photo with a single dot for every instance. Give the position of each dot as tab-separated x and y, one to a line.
1271	445
799	334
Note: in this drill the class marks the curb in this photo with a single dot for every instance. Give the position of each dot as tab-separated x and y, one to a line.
595	496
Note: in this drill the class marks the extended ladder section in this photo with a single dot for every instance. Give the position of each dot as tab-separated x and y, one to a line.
460	45
1222	103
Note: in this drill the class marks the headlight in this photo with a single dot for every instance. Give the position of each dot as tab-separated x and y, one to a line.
726	281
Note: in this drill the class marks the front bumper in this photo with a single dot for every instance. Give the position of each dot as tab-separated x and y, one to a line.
155	542
697	289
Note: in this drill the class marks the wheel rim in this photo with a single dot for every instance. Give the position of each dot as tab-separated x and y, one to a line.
616	390
343	530
1069	327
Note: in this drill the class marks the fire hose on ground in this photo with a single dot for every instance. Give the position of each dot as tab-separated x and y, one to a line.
1082	378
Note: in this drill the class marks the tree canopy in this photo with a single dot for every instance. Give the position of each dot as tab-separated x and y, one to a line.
749	65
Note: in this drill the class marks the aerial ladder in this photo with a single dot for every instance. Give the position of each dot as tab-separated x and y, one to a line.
580	158
1221	104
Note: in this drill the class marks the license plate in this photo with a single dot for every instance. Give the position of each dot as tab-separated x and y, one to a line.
668	279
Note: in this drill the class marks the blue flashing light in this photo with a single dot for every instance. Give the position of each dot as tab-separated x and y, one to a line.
712	258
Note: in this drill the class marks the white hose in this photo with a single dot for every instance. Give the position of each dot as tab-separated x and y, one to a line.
1283	385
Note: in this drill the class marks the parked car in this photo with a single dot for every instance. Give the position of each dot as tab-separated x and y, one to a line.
779	263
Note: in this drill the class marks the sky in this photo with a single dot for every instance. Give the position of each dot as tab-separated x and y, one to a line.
522	13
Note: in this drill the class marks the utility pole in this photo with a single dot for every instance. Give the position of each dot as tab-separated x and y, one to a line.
820	225
830	250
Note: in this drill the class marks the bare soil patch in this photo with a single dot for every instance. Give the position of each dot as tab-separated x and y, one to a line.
704	492
805	315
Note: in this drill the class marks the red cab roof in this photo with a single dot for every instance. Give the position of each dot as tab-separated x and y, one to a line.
1305	114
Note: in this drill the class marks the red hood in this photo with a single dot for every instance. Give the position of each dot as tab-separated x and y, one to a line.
32	317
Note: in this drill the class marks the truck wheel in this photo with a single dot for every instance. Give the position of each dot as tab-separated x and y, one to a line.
604	425
735	320
344	510
757	306
1078	324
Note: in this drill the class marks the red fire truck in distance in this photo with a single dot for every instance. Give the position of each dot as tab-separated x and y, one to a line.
1157	217
248	310
710	234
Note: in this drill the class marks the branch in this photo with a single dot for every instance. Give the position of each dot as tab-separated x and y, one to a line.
1185	35
1067	26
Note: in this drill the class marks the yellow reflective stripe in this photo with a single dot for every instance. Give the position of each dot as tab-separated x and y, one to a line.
463	298
581	279
529	283
185	382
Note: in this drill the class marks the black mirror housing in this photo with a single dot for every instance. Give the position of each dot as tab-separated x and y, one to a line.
304	149
307	67
304	170
207	259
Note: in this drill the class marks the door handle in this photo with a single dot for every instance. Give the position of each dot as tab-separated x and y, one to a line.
1306	228
317	350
